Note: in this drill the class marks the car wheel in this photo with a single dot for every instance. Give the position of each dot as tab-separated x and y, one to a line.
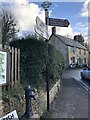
82	76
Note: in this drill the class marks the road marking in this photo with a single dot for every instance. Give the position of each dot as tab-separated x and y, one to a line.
83	85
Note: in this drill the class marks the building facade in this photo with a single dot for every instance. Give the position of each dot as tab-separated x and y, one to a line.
73	52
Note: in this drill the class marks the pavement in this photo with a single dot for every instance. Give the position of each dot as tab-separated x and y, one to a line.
72	101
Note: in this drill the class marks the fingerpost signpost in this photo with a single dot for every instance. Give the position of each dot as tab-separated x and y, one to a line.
51	22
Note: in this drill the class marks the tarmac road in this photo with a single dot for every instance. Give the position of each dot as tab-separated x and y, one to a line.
72	101
75	73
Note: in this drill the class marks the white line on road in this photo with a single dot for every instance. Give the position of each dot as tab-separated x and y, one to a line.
83	85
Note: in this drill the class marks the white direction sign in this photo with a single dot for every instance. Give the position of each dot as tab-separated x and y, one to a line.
11	116
40	27
3	67
38	30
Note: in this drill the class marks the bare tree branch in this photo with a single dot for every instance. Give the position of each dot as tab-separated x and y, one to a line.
8	27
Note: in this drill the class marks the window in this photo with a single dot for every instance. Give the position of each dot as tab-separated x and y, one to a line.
74	49
80	51
84	52
73	59
84	60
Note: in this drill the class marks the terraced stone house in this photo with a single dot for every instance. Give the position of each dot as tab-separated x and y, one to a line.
73	52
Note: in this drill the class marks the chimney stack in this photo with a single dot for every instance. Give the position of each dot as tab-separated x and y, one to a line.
76	37
53	30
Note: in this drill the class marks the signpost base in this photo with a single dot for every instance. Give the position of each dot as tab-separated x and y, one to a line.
34	116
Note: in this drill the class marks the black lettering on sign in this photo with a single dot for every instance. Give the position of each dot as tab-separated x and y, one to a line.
9	117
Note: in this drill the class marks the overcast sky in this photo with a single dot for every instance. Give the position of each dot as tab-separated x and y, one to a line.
26	11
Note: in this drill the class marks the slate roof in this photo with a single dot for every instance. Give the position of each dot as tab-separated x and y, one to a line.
69	42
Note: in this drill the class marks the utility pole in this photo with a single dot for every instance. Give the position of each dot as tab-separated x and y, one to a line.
46	5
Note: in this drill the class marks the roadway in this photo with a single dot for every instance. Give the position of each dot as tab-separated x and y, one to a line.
75	73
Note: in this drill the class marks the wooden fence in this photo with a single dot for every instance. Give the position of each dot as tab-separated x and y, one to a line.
13	67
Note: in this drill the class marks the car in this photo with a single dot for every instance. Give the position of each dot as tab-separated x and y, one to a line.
72	65
85	73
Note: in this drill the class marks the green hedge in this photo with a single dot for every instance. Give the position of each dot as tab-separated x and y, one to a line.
33	61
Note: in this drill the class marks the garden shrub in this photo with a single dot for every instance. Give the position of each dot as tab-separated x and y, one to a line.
33	59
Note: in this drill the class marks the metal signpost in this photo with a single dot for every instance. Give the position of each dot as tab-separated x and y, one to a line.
46	5
58	22
51	22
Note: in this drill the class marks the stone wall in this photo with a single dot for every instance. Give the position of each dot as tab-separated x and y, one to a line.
18	102
41	100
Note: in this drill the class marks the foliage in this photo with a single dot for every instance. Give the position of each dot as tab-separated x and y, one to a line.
33	62
13	92
8	27
56	64
79	38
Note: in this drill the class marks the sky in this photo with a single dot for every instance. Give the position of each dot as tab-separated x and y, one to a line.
26	11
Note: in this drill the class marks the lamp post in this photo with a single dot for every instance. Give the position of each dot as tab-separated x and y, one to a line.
46	5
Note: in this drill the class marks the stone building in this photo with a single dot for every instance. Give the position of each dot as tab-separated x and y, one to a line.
73	52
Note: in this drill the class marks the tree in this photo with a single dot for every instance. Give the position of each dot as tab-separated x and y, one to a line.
86	44
8	27
79	38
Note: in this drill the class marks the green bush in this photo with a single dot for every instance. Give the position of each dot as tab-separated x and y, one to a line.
33	62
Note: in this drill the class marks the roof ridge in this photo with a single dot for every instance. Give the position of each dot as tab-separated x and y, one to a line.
68	41
65	37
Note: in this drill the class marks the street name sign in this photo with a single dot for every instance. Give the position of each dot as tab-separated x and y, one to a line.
11	116
3	67
58	22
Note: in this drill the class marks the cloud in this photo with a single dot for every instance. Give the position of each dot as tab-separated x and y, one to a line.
81	28
85	11
25	14
43	0
14	1
65	31
56	5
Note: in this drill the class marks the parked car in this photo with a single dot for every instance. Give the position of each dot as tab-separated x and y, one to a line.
84	65
85	73
72	65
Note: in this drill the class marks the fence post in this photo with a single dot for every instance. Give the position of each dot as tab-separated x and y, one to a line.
18	65
15	66
13	62
9	66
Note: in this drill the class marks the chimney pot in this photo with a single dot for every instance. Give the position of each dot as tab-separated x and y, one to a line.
53	30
